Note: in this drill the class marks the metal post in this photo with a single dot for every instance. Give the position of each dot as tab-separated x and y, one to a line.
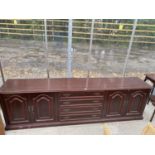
69	50
90	46
53	29
46	47
130	45
90	50
1	69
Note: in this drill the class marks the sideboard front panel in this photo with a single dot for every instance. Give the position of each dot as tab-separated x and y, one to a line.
18	109
137	101
116	103
42	108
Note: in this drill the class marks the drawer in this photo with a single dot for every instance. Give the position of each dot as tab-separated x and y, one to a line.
81	101
81	116
80	94
77	109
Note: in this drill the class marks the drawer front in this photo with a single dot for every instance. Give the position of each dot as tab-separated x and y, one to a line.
81	105
80	95
81	101
81	116
80	109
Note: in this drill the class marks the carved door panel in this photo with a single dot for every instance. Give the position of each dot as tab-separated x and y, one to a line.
116	103
43	107
17	109
136	103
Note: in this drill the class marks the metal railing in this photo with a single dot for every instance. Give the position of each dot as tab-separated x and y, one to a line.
115	34
103	31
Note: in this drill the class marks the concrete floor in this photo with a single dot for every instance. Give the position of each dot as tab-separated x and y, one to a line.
117	128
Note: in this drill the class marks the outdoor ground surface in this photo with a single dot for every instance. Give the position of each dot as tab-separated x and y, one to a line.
27	59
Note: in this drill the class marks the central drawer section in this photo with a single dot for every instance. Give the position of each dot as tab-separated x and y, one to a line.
81	106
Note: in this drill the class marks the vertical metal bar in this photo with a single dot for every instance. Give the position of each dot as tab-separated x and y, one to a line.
53	30
69	50
90	46
33	29
90	51
46	48
1	69
130	45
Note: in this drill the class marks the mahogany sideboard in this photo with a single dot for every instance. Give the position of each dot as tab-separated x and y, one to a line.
28	103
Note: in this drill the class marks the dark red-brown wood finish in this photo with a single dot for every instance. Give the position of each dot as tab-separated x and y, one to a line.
28	103
150	77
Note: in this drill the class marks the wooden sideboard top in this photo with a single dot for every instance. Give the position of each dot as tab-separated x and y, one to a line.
71	84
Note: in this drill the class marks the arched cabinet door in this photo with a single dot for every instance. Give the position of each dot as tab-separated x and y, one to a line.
116	103
17	109
136	103
43	107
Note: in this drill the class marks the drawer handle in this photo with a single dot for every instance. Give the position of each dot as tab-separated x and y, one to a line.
95	101
66	102
66	110
94	115
66	117
97	94
66	95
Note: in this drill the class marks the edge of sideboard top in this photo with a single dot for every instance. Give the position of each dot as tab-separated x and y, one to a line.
71	85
